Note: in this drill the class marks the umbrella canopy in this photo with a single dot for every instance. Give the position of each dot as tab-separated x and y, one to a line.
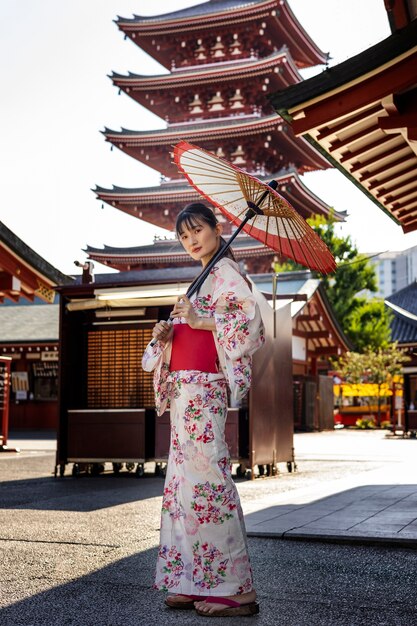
273	221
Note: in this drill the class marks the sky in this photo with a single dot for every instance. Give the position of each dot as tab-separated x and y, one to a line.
55	58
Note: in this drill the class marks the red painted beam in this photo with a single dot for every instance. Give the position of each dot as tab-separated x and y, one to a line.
397	13
403	205
410	228
8	282
411	169
348	123
405	213
395	78
339	143
388	198
397	122
377	158
313	334
386	168
326	350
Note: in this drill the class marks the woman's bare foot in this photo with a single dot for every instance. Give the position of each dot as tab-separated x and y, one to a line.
181	601
178	598
212	607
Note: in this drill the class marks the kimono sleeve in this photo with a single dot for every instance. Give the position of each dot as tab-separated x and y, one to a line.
238	321
156	358
152	356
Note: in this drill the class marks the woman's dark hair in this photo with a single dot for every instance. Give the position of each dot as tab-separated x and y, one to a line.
196	213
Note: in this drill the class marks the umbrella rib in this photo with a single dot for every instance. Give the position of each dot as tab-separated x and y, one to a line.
311	238
192	155
278	237
306	235
212	162
284	225
204	171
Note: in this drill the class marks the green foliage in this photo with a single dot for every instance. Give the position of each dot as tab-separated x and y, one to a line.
372	366
364	320
354	272
366	423
369	325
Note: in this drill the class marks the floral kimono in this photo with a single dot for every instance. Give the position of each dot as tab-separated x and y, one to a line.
203	541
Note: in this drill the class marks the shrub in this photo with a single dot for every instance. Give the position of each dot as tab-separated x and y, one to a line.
366	422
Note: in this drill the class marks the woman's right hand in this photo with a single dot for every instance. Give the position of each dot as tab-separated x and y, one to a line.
162	331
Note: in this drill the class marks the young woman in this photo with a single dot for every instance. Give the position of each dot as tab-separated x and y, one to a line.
203	560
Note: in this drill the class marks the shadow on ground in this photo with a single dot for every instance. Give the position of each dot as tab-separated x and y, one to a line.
299	584
87	493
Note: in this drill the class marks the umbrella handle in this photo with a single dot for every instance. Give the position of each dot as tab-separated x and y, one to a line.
253	209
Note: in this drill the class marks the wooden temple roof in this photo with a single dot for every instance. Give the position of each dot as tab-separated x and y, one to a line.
362	115
313	317
160	205
152	147
223	15
243	68
403	305
23	273
400	12
168	95
168	251
20	324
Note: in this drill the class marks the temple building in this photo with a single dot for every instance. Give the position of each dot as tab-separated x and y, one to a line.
221	57
361	115
29	320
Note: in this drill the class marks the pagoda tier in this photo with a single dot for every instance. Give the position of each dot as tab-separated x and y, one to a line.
219	30
237	87
160	205
261	145
167	252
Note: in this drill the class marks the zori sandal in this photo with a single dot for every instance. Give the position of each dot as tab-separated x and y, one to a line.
187	603
233	608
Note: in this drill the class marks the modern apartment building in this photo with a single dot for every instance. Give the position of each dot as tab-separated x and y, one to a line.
395	270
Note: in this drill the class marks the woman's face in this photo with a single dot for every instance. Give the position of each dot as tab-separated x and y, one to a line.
200	240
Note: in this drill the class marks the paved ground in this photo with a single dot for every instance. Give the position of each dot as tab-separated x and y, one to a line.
379	506
82	551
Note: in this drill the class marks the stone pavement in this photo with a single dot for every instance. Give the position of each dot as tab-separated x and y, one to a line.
82	551
380	508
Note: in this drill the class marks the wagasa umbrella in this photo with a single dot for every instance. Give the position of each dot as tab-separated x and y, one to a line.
254	207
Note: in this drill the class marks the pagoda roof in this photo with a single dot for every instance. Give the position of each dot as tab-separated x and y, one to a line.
140	202
209	73
223	14
361	114
168	251
155	92
205	127
25	273
140	144
403	305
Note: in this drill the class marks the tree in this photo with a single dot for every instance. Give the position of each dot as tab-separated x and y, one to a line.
365	321
369	325
377	367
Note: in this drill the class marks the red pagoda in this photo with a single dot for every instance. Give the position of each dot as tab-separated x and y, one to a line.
223	56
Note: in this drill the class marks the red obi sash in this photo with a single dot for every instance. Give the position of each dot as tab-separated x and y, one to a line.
193	349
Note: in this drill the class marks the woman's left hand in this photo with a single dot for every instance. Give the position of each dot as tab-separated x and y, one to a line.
184	308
